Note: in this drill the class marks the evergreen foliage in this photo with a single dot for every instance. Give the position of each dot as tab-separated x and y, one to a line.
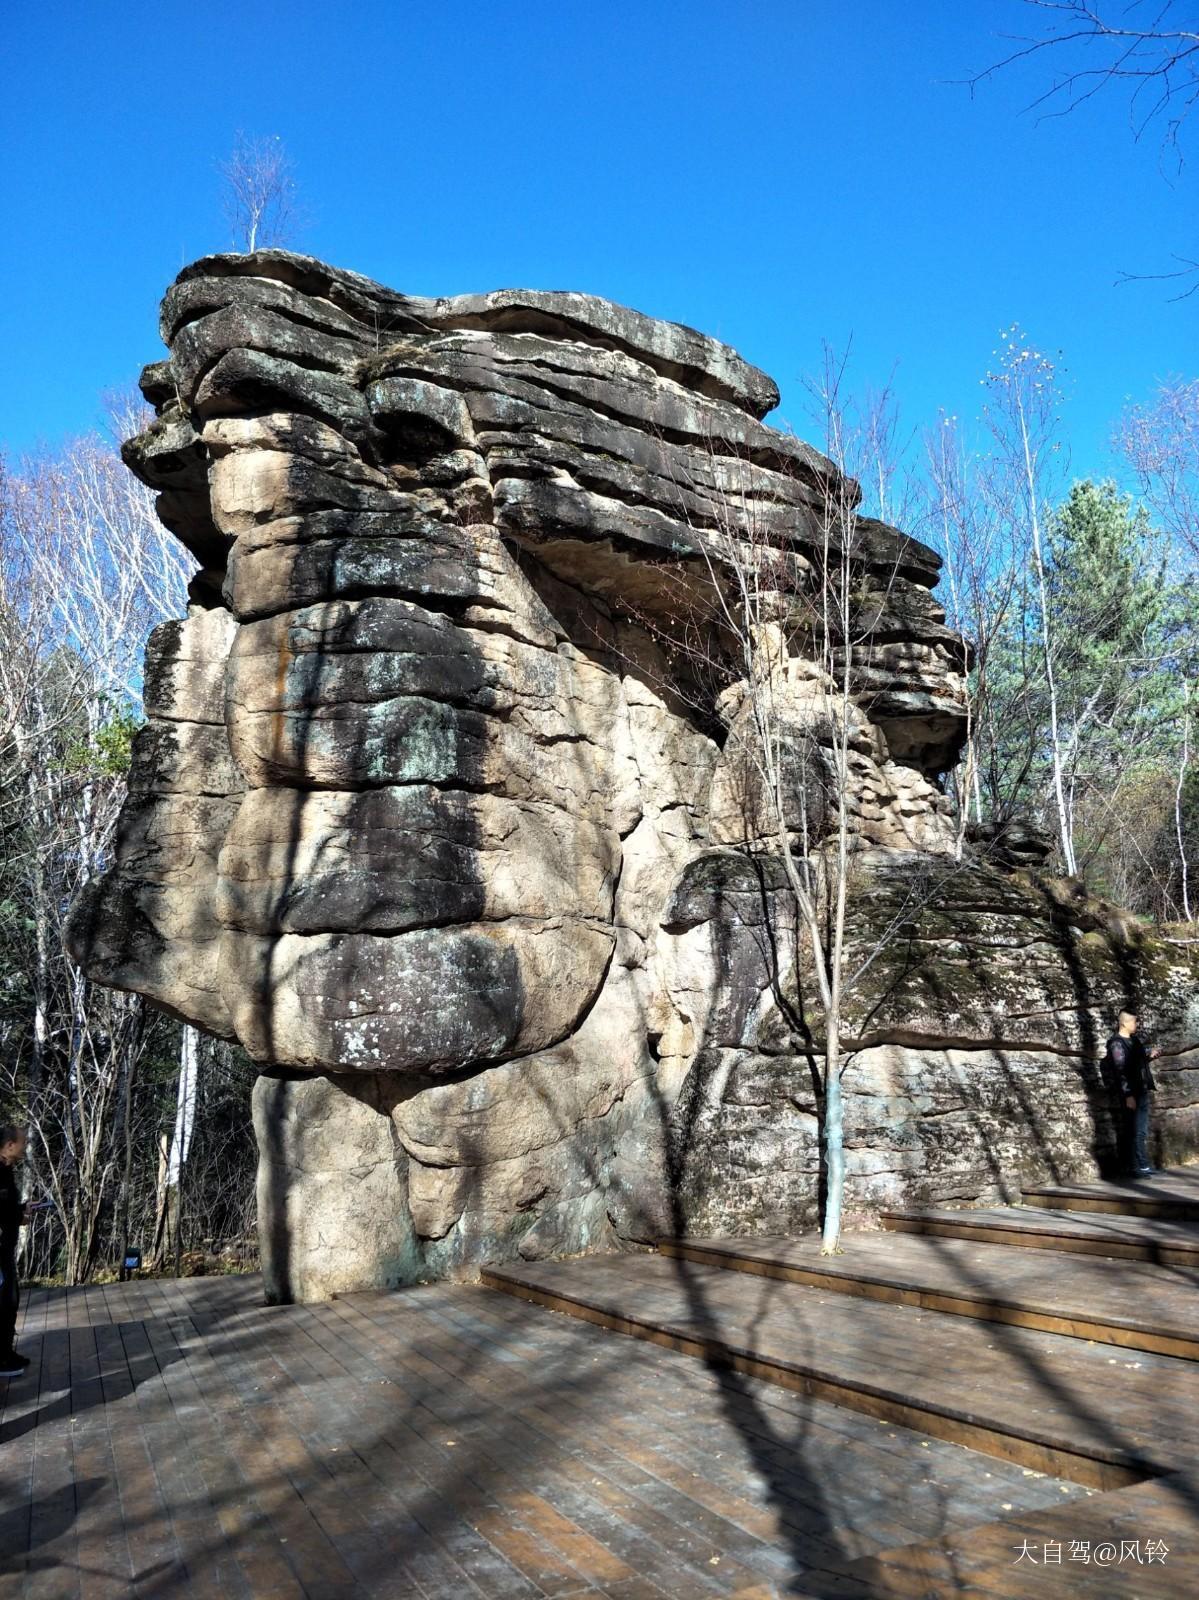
1124	638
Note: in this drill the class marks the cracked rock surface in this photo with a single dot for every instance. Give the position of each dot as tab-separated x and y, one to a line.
424	816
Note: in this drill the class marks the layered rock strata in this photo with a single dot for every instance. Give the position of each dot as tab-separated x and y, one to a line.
427	815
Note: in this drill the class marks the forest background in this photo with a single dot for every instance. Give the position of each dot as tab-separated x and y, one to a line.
1070	557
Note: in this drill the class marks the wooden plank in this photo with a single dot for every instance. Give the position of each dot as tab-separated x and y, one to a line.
1134	1206
105	1566
578	1464
355	1420
18	1413
594	1499
52	1561
101	1549
703	1518
1129	1304
1127	1238
762	1456
1006	1559
281	1473
283	1412
145	1501
1035	1405
216	1452
876	1527
1172	1194
181	1418
487	1540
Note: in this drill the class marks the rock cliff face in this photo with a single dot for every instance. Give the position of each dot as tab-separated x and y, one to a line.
424	817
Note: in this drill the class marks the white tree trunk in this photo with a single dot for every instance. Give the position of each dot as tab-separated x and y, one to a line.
834	1140
1065	828
185	1107
1182	773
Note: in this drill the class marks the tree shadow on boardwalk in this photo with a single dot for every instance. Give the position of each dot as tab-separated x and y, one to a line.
52	1419
30	1529
450	1441
388	1439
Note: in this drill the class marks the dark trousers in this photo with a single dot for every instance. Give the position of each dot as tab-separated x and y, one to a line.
10	1299
1138	1133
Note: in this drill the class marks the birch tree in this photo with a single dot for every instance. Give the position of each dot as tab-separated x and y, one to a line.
1180	832
259	193
967	523
1021	413
794	804
778	631
1160	442
87	569
175	1151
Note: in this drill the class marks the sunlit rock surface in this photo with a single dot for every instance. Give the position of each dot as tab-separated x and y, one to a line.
424	816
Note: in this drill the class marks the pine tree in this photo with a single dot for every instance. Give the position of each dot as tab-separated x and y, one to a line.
1121	640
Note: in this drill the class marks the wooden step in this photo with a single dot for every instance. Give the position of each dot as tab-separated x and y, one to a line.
1172	1195
1131	1304
1174	1244
1063	1406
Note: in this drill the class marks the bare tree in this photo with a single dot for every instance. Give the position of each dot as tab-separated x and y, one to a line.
1160	441
1022	416
87	570
1078	633
790	739
108	568
68	1048
969	524
1184	760
1149	51
771	625
259	193
1152	52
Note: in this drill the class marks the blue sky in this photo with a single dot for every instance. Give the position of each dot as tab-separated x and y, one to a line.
774	173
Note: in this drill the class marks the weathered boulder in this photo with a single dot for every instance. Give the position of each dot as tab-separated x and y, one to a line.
975	1040
431	817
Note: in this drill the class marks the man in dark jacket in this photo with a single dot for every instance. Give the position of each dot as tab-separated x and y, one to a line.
1129	1061
12	1215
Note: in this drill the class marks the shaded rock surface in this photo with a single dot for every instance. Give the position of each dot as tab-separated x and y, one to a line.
424	816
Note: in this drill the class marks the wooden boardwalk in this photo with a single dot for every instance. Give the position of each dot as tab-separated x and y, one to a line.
1096	1233
442	1443
1061	1337
451	1443
1062	1405
1173	1194
1131	1304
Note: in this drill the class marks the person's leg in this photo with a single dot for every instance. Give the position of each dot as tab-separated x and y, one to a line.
1128	1129
9	1300
1140	1149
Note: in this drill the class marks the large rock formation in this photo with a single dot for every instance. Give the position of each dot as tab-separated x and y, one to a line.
428	817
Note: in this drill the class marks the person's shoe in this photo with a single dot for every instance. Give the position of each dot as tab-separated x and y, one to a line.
21	1360
1144	1172
11	1367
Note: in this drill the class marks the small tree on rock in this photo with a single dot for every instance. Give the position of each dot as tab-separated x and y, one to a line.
260	193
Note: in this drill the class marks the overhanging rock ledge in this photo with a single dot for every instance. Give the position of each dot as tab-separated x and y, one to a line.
422	816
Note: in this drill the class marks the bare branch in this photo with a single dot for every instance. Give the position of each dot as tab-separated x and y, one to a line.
1158	63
